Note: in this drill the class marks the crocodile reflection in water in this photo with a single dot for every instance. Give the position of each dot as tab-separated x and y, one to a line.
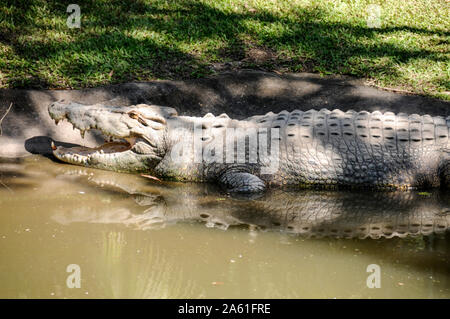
308	213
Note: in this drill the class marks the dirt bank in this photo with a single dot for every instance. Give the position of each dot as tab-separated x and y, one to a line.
239	94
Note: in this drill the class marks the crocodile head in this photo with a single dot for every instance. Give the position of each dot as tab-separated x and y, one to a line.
136	135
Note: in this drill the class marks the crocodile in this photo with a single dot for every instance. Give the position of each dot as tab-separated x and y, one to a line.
325	149
304	213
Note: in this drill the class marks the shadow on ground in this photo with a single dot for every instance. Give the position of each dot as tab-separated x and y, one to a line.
239	94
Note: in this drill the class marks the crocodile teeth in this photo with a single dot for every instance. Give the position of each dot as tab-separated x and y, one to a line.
75	158
53	146
82	133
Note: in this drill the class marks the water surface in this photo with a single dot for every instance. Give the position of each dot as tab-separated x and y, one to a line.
137	238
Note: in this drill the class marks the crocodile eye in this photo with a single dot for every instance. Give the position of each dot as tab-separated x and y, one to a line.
136	116
133	114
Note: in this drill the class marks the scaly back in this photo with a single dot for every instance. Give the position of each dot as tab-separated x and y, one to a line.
393	132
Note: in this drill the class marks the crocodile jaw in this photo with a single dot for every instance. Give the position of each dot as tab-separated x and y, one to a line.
80	155
134	136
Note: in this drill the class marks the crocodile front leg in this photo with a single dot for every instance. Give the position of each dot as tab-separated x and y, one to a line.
241	182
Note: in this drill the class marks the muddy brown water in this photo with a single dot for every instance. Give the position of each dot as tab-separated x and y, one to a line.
136	238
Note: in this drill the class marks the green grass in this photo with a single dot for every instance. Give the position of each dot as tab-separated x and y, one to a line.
140	40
